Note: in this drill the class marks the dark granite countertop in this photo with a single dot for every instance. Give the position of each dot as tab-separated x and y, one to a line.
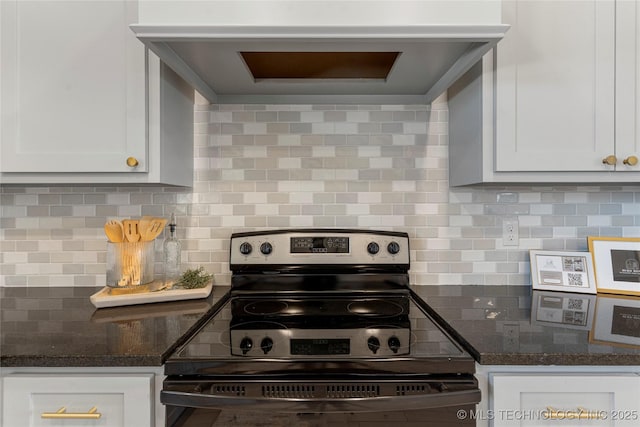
513	325
59	327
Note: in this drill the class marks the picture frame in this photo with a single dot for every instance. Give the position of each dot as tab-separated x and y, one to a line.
617	321
562	271
616	262
563	309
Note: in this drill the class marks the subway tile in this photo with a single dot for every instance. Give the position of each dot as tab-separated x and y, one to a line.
267	166
610	209
49	199
316	211
302	175
288	116
369	128
369	175
622	221
255	175
392	128
381	116
566	209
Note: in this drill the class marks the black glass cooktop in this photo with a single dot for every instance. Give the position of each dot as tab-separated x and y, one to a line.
214	348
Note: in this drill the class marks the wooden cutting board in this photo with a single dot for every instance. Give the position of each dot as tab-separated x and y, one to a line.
107	297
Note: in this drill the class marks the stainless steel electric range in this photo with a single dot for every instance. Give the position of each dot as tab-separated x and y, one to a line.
318	321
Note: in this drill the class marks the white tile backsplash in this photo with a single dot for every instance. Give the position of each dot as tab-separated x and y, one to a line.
274	166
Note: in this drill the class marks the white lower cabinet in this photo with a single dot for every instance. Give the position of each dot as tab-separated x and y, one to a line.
116	399
571	400
548	396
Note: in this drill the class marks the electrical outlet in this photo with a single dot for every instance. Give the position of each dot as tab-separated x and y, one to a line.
511	330
511	337
510	232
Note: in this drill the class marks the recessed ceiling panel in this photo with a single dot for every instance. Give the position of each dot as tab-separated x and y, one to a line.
319	65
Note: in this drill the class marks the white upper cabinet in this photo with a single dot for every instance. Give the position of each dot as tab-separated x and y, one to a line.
555	86
77	97
73	98
555	101
627	141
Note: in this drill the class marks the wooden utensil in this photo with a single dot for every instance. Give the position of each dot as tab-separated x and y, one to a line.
155	228
114	231
143	225
131	232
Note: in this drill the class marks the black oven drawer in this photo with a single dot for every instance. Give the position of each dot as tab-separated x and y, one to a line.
460	416
322	395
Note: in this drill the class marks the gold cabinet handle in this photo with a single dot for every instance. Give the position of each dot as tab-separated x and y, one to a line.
610	160
132	162
579	414
62	413
630	161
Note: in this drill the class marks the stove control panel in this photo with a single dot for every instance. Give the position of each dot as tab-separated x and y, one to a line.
318	246
304	343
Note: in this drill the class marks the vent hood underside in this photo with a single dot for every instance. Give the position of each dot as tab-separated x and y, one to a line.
418	62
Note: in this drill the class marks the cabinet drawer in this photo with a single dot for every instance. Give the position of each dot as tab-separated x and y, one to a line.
567	400
77	400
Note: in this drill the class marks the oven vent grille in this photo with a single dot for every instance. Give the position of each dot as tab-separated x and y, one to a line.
339	391
229	389
299	391
409	389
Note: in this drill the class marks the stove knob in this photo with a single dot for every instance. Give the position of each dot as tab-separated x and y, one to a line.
373	248
245	345
266	248
374	344
266	345
394	344
393	248
245	248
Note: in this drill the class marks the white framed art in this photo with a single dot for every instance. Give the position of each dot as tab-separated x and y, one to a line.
562	271
616	261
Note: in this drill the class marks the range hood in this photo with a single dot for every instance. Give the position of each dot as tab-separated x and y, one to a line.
409	64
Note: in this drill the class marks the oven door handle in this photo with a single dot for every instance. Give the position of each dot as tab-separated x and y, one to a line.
366	404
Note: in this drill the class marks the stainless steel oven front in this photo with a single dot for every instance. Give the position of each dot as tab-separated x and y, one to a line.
320	327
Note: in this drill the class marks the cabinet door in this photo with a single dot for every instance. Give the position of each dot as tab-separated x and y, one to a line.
119	401
73	87
567	400
627	84
555	86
